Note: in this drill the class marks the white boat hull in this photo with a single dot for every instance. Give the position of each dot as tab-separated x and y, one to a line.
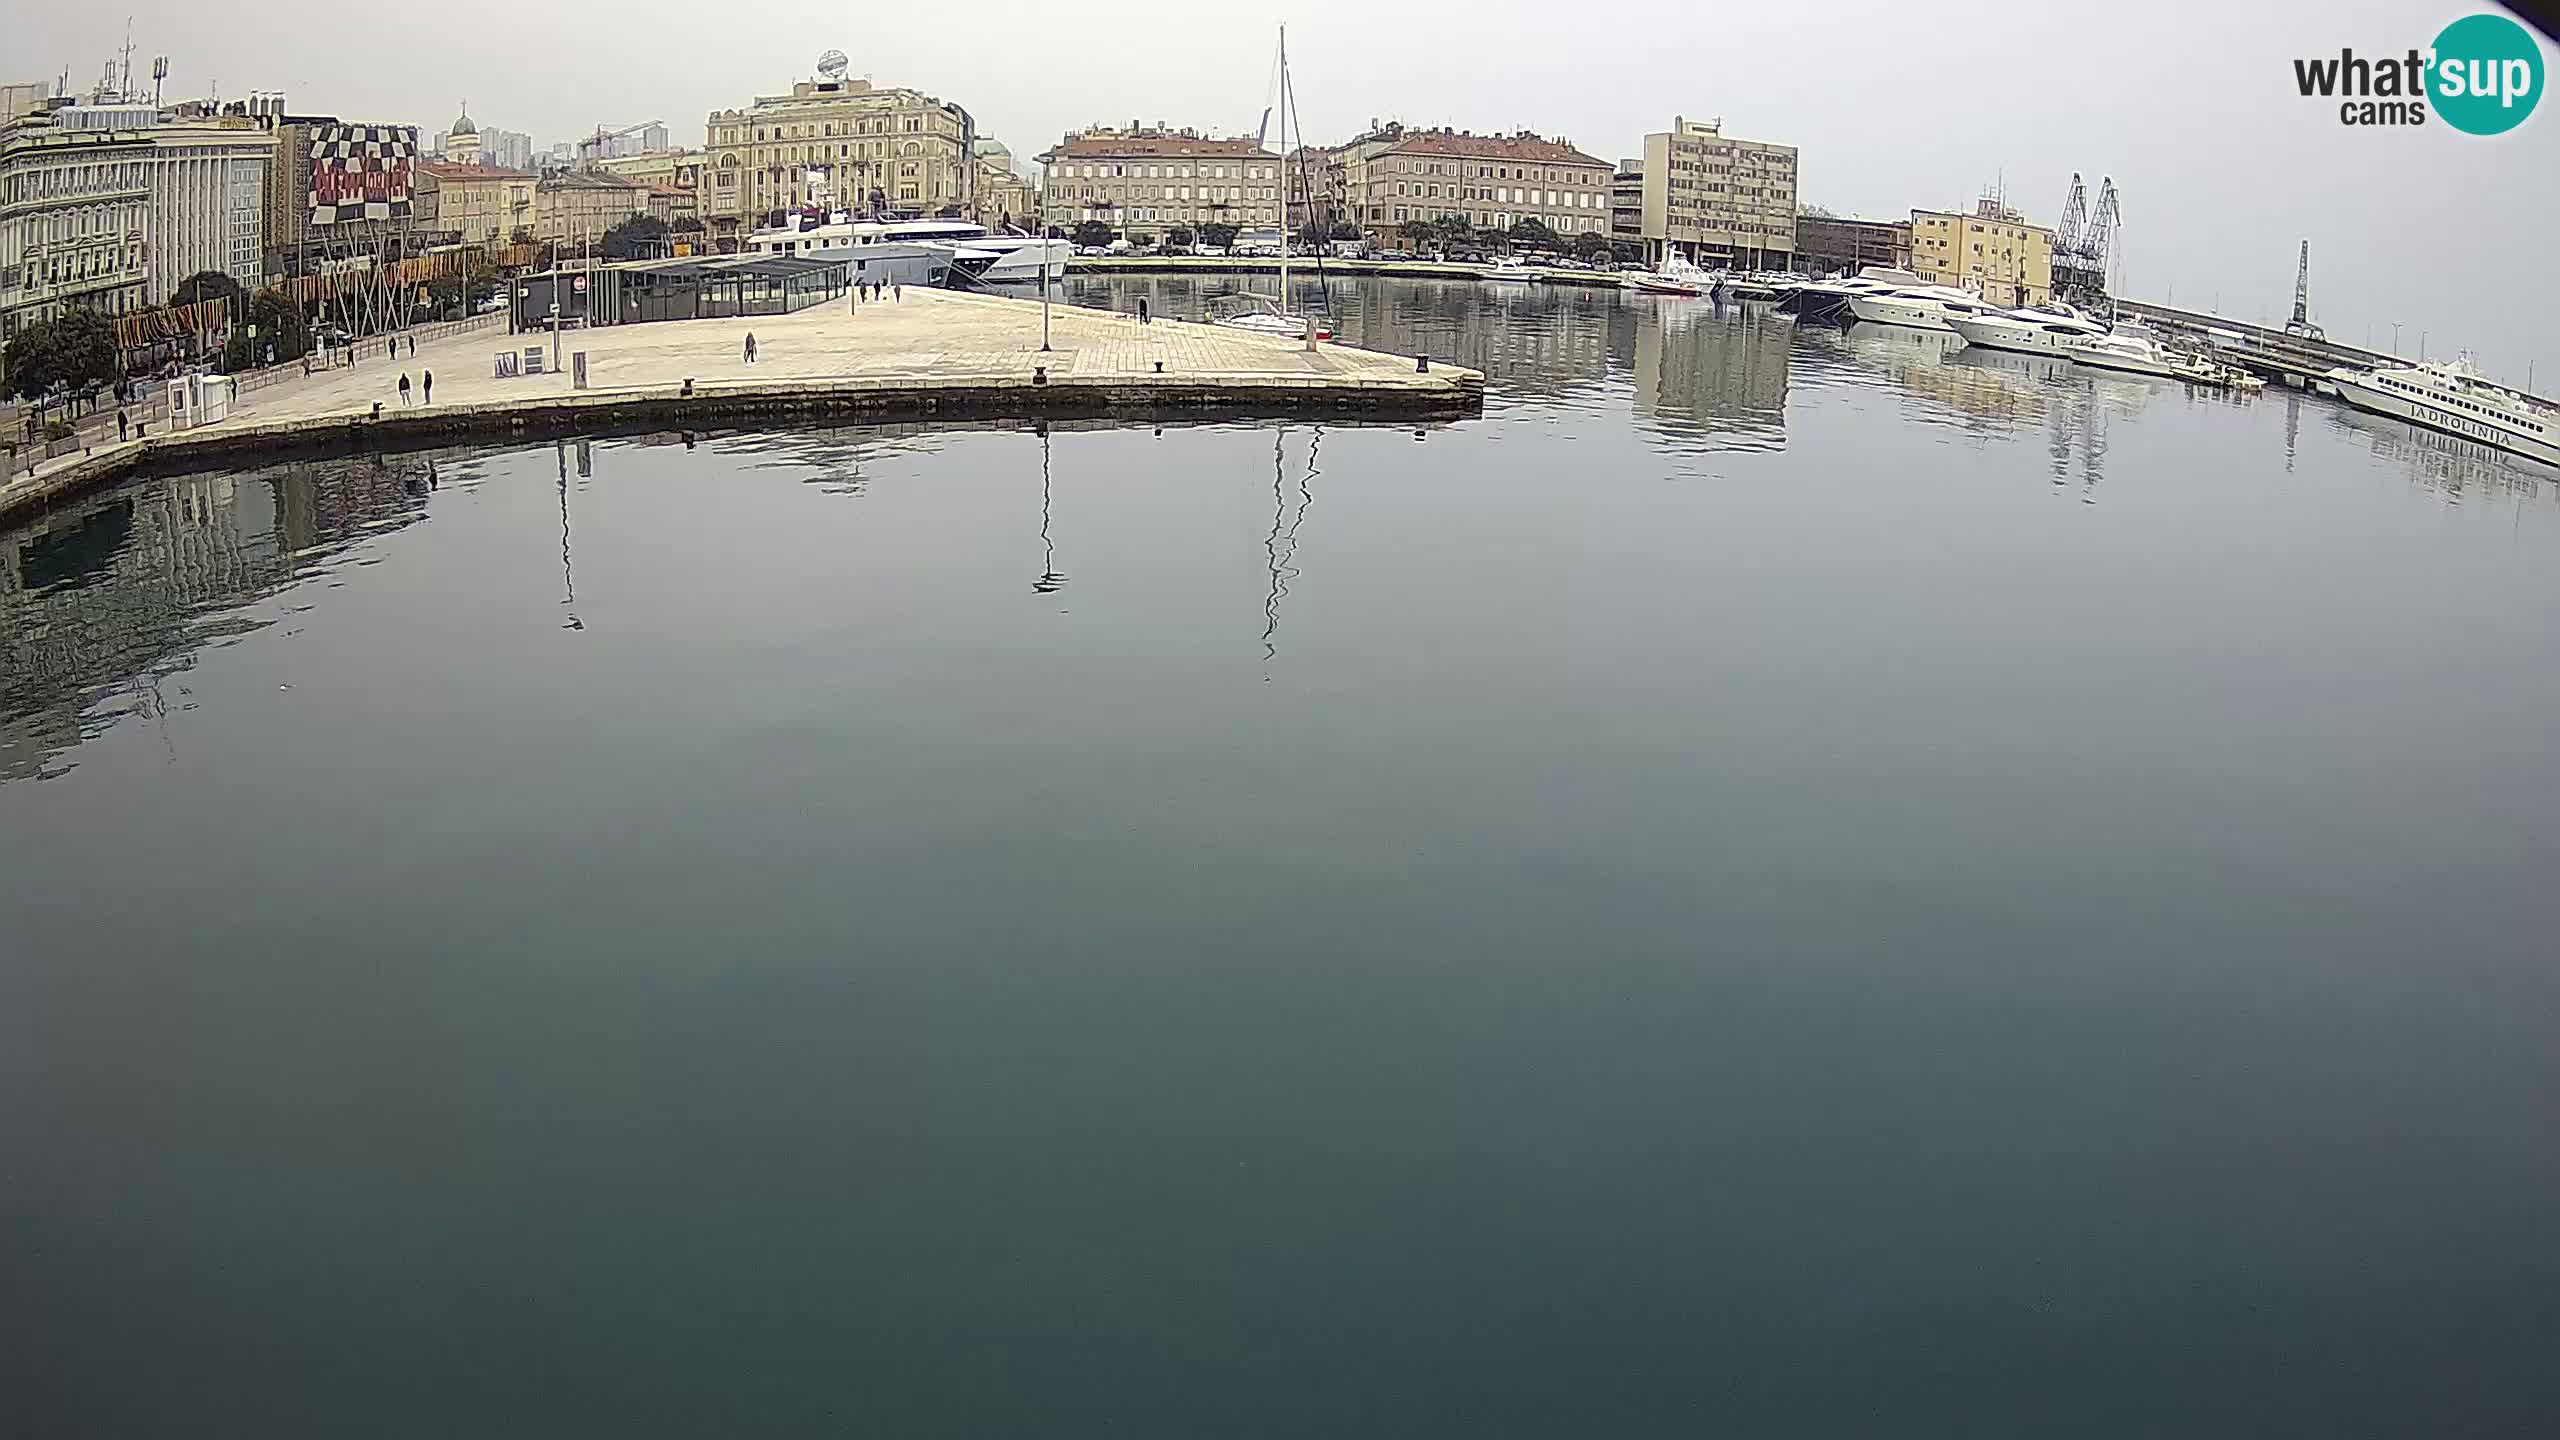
2365	396
1288	327
1659	286
2012	337
1911	314
2125	364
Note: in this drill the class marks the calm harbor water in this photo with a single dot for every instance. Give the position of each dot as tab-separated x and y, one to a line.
1774	883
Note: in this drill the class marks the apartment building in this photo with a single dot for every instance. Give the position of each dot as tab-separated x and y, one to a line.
1392	174
1144	180
482	204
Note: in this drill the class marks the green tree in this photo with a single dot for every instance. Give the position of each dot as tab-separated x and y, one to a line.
1218	235
1533	233
77	352
205	285
687	225
283	330
1345	230
1591	245
1179	236
1094	234
641	237
1416	233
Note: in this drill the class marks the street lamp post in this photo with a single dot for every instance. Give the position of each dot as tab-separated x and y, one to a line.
1044	256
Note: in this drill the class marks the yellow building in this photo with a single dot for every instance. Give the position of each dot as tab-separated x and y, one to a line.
1992	251
839	143
483	204
1722	201
1146	180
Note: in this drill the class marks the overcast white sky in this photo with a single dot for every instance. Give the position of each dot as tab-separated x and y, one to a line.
2190	105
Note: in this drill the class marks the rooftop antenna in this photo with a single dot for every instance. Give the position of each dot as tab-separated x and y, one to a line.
159	74
124	80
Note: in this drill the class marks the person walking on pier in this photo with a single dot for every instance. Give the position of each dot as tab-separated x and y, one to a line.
897	291
427	389
123	425
751	347
404	389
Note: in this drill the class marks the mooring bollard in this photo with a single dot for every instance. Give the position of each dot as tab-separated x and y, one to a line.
688	385
1039	374
1159	367
1421	364
377	409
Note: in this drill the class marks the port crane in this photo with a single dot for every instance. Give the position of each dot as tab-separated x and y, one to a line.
2084	242
2301	324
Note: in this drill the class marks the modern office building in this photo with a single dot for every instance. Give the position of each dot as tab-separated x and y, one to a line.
1726	203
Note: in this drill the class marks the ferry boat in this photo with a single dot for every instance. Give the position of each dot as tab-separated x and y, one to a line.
2457	399
2029	329
1677	275
974	250
1921	307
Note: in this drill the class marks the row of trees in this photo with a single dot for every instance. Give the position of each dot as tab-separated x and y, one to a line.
1451	232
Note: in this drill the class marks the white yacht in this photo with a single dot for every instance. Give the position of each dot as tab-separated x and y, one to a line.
1677	275
2458	400
974	250
2028	330
1921	307
2130	352
1509	270
1829	299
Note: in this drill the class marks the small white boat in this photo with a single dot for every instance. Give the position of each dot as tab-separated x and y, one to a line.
1263	315
1509	270
1677	275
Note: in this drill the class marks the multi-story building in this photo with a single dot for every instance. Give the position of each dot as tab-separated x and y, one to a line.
480	204
1626	206
671	203
577	208
72	238
839	143
1724	202
1992	250
1392	175
1145	180
1831	244
298	244
74	217
505	149
685	170
1004	197
461	144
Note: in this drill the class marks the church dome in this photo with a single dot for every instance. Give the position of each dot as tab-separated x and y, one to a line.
463	126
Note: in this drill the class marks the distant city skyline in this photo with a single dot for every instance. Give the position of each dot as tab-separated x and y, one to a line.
2223	166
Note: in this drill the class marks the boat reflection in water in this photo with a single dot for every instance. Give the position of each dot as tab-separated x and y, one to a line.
2446	465
1710	377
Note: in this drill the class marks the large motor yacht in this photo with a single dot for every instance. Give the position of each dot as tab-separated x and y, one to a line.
1920	307
2458	400
2133	353
975	251
1828	300
2028	330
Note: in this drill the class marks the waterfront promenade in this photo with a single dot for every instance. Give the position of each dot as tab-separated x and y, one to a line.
934	352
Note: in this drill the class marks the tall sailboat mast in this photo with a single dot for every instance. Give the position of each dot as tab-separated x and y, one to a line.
1284	168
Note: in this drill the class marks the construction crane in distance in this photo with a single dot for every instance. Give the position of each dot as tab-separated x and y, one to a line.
592	148
2301	323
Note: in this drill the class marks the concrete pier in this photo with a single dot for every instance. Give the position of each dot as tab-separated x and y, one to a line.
933	352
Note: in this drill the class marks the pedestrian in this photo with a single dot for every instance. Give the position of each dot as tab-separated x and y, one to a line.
123	424
413	344
427	392
404	389
751	347
1142	311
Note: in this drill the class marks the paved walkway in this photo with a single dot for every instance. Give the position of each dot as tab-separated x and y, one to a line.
932	338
